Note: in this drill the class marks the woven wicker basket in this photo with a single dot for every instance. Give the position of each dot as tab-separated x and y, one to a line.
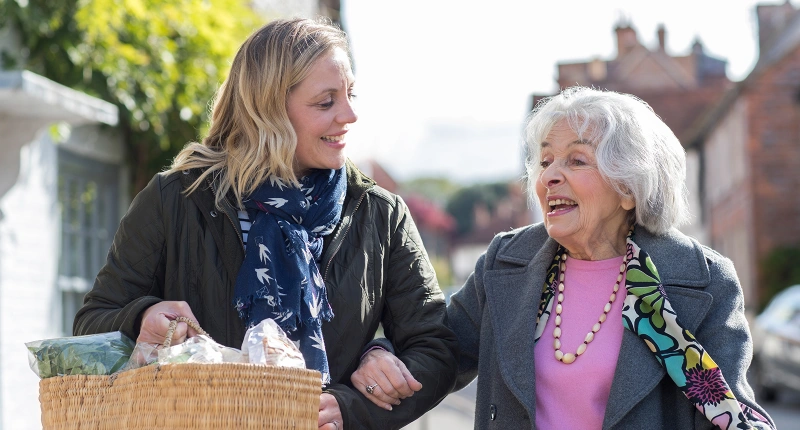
184	396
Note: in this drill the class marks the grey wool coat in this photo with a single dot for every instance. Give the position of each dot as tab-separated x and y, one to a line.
494	317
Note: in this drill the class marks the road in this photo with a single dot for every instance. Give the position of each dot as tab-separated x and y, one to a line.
785	411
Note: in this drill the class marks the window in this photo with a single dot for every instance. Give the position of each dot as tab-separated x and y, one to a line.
88	200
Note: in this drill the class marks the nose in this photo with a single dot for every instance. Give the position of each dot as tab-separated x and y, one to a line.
348	113
551	176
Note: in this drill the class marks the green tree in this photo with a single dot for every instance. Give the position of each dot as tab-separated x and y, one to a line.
159	61
462	205
436	189
780	271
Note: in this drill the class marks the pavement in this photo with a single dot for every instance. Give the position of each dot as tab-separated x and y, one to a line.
455	412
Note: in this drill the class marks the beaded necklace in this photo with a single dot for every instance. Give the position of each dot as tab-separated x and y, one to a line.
569	358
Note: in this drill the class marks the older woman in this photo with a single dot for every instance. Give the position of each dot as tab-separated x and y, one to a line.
604	315
266	218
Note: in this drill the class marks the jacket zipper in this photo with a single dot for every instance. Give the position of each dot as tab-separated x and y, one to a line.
344	233
241	241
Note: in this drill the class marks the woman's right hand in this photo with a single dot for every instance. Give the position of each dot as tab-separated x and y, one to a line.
388	378
156	319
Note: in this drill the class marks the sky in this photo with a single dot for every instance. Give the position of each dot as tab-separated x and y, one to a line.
444	86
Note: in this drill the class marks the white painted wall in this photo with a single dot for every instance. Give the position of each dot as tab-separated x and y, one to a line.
29	249
30	301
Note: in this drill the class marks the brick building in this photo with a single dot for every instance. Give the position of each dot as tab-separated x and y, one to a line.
749	146
742	139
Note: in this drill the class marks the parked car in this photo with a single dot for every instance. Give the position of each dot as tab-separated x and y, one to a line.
776	346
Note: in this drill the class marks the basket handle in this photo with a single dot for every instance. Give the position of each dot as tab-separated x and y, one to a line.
174	324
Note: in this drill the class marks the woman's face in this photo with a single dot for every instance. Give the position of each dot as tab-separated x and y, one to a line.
320	110
581	210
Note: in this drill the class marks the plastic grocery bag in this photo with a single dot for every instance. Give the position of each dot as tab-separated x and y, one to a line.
267	343
95	354
199	349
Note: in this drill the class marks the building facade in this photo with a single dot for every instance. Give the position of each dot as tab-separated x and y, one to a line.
62	189
742	139
749	145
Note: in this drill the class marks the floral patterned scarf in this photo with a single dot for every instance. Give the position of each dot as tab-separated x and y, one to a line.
647	313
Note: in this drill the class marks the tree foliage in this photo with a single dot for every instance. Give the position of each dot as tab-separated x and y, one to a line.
462	205
436	189
159	61
780	271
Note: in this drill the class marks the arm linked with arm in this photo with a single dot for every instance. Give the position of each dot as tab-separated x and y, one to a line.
414	321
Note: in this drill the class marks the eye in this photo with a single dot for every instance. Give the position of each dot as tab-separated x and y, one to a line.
326	104
544	164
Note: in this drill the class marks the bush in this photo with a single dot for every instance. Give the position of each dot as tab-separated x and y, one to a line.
780	269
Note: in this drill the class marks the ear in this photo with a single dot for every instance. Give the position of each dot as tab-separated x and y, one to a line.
627	202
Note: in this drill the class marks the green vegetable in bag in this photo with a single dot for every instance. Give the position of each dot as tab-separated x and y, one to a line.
95	354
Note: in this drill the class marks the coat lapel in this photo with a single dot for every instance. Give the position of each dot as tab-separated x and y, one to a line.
513	294
681	266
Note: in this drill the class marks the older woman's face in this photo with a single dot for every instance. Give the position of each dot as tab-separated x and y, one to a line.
581	210
320	110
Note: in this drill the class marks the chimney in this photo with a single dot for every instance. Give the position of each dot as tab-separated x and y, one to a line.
772	20
662	37
626	40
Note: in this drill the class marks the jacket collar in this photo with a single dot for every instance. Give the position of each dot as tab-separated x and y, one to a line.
680	259
513	294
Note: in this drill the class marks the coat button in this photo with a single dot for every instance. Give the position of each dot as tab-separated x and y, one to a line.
213	214
492	412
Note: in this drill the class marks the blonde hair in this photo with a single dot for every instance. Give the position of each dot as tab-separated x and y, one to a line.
251	137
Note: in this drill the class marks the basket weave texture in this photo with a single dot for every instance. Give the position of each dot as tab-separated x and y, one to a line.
184	396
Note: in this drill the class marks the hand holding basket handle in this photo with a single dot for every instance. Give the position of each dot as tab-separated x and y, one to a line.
174	325
156	323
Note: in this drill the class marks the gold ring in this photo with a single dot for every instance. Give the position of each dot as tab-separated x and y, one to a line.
371	388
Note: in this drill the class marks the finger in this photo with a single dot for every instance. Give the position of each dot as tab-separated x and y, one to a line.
397	377
154	328
179	336
379	398
392	380
184	310
410	379
328	411
385	391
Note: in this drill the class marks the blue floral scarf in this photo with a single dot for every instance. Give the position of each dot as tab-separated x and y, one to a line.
647	313
279	278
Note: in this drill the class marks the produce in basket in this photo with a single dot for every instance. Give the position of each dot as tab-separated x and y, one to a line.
94	354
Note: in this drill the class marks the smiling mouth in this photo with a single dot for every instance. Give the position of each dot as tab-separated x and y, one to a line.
333	139
558	205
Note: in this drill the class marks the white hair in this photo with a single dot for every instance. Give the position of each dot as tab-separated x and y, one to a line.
636	152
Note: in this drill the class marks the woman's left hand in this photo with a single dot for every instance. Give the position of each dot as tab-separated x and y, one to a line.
330	417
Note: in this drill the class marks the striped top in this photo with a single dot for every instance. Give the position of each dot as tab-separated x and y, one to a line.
244	222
